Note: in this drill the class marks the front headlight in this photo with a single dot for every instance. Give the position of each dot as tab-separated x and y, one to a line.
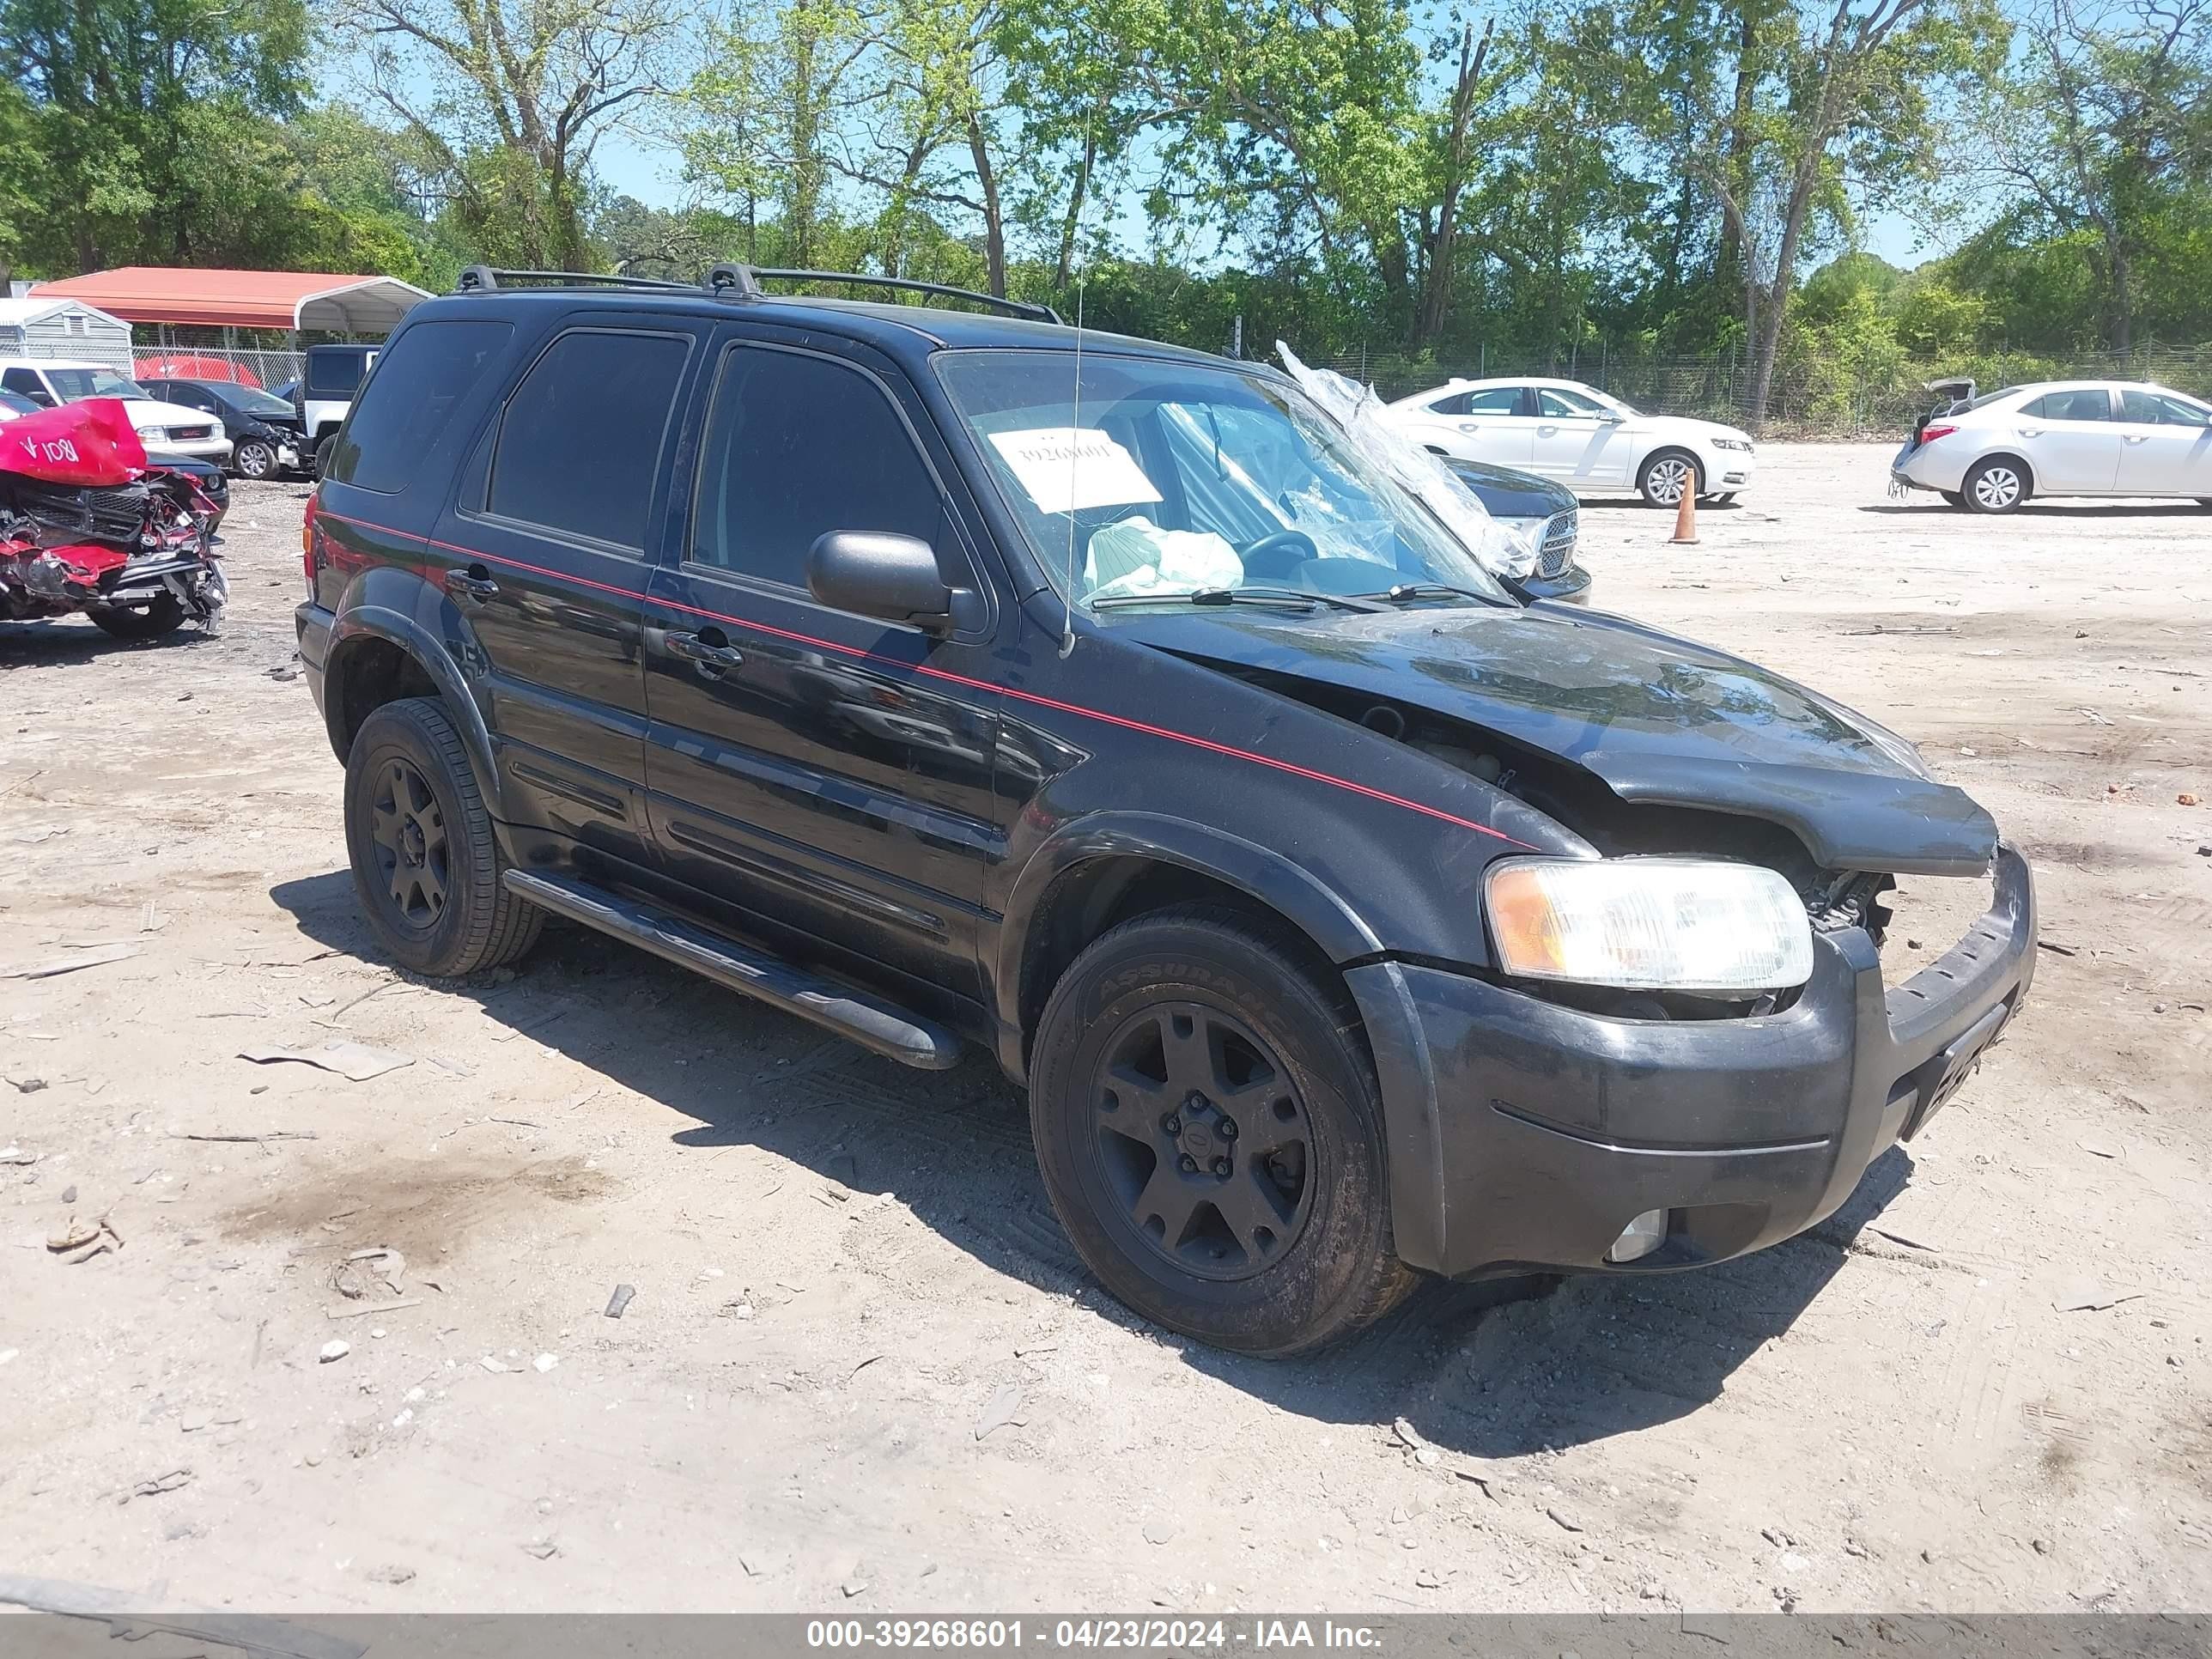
155	433
1660	924
1741	444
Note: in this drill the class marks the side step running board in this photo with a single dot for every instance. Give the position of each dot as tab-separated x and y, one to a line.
874	1023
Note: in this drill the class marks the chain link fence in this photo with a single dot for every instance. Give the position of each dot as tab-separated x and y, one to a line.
267	369
1813	395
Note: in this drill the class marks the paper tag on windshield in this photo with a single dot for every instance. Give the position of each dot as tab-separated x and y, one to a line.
1065	468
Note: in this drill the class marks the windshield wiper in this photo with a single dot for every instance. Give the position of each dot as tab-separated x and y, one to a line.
1405	592
1302	598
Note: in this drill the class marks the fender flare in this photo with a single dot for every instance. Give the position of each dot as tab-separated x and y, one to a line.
1340	933
396	628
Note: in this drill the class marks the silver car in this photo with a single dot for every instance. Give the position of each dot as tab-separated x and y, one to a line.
1990	454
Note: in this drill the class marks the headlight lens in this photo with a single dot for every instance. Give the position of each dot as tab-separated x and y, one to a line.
156	433
1742	444
1649	923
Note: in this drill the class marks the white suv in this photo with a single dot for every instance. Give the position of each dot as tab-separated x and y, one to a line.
1588	440
1990	454
170	427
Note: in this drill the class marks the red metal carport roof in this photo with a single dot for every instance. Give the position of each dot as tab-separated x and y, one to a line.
244	299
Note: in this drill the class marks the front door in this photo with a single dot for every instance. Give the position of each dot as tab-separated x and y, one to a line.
1578	438
829	775
543	553
2166	445
1490	423
2071	442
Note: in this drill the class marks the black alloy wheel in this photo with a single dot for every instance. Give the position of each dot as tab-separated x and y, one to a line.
409	830
1210	1131
1202	1137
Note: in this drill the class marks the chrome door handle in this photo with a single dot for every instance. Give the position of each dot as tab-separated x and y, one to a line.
712	657
1468	426
2136	437
475	582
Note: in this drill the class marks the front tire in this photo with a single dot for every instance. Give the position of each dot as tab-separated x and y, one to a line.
1210	1132
254	458
1998	484
159	616
426	865
1666	474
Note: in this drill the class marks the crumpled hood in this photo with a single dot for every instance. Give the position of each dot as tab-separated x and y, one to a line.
1656	718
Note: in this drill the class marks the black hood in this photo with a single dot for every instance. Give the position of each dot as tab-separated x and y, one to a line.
1654	718
1511	494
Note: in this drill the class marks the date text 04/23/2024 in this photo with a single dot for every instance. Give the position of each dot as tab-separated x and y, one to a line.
1168	1635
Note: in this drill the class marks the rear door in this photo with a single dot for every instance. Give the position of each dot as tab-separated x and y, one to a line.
1489	423
828	774
2166	445
2072	441
543	553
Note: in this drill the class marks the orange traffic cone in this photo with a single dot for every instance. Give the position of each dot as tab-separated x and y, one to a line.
1686	517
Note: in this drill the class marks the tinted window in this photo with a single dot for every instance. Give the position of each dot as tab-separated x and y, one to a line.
405	407
1493	400
797	446
2092	405
27	383
2157	407
337	373
579	447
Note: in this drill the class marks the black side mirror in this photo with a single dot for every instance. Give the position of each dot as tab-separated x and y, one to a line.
875	573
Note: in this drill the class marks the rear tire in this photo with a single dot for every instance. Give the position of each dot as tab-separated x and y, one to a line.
426	864
1998	484
163	615
1260	1222
1666	474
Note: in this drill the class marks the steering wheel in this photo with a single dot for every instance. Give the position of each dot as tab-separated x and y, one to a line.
1271	556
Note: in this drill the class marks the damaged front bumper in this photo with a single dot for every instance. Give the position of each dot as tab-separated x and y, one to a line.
1524	1136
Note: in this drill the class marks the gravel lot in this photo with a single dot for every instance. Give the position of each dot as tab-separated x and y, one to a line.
863	1369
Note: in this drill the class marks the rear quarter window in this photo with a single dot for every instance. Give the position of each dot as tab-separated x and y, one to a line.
404	408
337	373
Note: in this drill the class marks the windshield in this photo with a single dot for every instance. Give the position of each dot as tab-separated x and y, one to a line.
252	400
71	383
1176	479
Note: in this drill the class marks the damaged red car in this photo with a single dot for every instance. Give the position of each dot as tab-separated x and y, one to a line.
90	526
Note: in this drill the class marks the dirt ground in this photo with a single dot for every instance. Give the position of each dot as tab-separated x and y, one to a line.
863	1370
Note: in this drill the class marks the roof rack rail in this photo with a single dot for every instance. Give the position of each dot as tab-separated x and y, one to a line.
739	282
1035	311
477	279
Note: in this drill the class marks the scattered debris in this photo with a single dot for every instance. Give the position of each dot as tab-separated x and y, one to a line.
379	1268
545	1362
373	1308
357	1062
394	1575
1410	1437
2184	799
333	1349
71	963
1563	1518
28	1086
1004	1407
862	1367
2056	949
159	1484
852	1587
80	1241
2089	1296
620	1299
2099	1149
1159	1532
16	1155
495	1365
68	1193
543	1548
1427	1579
272	1134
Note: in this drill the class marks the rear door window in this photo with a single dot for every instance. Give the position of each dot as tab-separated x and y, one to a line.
337	373
2094	404
403	411
579	449
797	446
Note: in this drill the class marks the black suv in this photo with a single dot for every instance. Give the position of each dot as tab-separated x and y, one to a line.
944	678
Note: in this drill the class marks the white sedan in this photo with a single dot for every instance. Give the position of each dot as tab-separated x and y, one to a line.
171	427
1588	440
1990	454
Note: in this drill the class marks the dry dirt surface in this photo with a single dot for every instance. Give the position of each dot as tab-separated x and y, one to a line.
862	1369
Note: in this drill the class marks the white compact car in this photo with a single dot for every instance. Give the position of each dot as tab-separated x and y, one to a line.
1590	440
171	427
1987	454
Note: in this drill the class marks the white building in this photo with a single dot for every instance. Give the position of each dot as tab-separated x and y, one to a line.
61	327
